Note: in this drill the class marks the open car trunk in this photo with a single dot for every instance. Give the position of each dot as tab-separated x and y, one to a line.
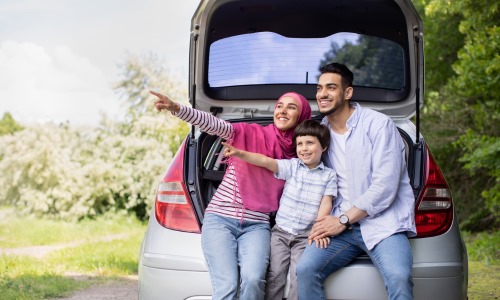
210	166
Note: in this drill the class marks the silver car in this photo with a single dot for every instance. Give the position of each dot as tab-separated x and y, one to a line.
243	55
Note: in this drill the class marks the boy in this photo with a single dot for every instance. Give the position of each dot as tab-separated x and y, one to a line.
308	194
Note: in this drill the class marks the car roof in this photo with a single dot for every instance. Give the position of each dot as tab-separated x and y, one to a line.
244	54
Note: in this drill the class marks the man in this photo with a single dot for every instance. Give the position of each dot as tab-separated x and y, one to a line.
374	211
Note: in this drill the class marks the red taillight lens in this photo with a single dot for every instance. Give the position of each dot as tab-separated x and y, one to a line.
434	210
173	206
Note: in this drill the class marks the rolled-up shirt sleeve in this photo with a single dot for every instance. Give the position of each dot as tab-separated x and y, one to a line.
285	168
331	184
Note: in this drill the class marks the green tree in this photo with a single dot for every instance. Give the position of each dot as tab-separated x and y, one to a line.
372	60
140	75
8	125
461	118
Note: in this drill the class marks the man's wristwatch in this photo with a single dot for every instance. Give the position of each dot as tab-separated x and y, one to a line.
344	220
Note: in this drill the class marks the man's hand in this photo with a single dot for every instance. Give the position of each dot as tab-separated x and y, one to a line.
325	226
164	102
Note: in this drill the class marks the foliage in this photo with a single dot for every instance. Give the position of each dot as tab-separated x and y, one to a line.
369	59
73	173
483	246
8	125
482	153
461	118
142	74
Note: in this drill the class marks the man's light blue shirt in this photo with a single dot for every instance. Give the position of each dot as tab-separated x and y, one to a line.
377	176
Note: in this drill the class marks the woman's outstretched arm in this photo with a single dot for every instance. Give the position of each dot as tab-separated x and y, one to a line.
206	122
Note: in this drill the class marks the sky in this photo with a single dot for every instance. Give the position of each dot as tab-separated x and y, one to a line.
59	58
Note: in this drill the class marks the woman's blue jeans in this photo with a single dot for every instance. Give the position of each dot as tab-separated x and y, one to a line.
392	257
230	245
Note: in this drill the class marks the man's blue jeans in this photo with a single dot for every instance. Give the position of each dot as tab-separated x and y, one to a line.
229	244
392	257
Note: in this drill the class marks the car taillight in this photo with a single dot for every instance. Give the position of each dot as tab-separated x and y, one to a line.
434	210
173	206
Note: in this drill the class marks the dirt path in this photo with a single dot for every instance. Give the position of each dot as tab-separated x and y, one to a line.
41	251
121	289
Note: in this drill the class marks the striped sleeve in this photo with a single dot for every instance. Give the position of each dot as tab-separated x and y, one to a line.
206	122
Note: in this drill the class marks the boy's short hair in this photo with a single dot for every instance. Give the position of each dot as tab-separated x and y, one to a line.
313	128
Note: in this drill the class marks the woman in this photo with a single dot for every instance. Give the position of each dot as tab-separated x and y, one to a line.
236	230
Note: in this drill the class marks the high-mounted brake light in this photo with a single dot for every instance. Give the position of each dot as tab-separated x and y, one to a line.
434	210
173	206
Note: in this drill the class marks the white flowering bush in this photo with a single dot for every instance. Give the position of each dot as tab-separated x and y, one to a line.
74	173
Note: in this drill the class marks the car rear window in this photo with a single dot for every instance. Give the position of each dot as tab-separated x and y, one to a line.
266	58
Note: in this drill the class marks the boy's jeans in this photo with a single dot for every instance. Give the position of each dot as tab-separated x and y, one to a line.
231	243
392	257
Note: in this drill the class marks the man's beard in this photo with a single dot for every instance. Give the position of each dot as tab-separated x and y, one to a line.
331	110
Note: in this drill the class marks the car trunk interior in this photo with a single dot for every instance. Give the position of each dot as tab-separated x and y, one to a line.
210	165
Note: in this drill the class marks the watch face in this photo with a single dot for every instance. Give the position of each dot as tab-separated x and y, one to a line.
344	219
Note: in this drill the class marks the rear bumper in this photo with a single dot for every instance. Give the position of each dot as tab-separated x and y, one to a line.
160	284
171	266
359	280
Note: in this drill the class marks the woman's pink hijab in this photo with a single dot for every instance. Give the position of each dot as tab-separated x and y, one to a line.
259	190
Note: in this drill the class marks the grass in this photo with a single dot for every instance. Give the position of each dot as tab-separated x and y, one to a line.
29	278
484	281
114	258
484	265
90	257
25	277
20	231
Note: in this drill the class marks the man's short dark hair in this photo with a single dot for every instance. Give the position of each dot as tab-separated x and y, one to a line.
313	128
342	70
